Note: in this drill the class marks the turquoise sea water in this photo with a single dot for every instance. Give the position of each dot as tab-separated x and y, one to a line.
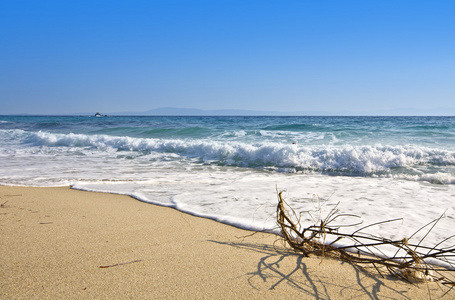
229	168
414	148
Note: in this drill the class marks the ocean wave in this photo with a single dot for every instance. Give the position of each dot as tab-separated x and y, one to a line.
435	178
293	127
147	132
367	160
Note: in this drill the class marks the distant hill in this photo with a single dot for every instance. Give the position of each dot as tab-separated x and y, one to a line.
172	111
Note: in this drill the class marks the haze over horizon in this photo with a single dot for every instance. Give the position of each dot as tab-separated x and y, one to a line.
60	57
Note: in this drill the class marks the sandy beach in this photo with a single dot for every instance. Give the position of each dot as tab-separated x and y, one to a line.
60	243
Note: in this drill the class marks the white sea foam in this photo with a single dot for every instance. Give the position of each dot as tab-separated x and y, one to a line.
376	160
237	196
237	133
248	199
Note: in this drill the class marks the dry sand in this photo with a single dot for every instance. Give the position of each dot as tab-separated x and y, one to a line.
62	243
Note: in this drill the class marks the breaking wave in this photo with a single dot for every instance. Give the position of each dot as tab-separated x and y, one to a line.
401	161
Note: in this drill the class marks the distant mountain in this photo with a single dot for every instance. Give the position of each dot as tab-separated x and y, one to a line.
172	111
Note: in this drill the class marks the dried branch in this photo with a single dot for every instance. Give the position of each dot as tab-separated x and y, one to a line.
410	261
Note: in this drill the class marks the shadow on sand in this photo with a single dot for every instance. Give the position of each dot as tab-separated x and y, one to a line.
327	278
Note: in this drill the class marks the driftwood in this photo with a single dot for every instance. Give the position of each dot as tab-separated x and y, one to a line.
411	262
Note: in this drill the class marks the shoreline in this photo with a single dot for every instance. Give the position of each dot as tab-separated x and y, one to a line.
58	242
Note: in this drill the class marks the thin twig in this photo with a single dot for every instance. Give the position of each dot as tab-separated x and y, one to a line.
120	264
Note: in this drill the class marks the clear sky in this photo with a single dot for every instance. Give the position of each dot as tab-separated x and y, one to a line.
111	56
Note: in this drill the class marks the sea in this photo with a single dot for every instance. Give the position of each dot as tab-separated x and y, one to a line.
231	168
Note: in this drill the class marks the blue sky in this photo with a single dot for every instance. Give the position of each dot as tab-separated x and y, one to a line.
112	56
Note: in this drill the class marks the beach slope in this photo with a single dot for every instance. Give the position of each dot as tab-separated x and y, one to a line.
64	243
